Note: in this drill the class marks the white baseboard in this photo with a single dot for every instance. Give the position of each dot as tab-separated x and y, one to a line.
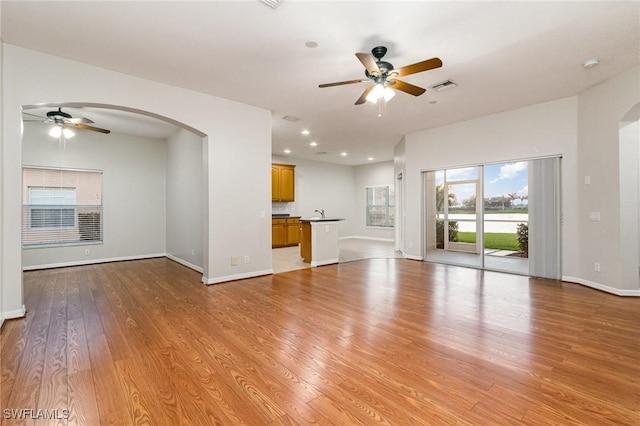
387	240
601	287
412	257
184	263
217	280
18	313
324	262
91	261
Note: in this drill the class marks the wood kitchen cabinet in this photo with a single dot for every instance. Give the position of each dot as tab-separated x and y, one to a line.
282	182
285	232
278	232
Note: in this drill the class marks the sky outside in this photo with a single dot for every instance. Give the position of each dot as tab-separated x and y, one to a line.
499	179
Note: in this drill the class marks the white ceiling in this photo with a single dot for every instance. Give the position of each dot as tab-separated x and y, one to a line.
502	55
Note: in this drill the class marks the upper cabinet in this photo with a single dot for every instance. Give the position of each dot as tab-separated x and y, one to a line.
282	182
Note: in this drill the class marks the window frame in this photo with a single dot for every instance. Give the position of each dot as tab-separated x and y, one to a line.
89	225
388	207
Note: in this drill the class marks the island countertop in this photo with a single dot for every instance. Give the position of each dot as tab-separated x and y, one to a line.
319	219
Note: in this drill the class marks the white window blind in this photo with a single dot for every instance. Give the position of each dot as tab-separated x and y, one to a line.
381	206
61	206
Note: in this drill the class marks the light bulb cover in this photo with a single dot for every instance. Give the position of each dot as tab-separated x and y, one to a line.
55	131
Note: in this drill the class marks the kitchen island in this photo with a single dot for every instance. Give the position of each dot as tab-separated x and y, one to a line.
319	240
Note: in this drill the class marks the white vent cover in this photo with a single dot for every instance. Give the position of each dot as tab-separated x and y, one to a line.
273	4
290	118
444	85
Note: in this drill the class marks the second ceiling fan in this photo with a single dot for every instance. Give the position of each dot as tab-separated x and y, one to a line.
385	76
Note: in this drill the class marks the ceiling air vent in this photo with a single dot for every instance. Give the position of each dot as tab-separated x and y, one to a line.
444	85
321	153
273	4
290	118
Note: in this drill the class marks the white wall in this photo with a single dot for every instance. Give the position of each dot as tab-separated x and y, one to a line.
367	175
2	268
185	192
320	185
133	192
536	131
630	202
600	110
238	153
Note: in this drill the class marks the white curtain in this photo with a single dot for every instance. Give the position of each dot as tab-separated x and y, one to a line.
544	218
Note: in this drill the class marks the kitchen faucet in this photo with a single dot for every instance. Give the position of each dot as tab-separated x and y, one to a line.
321	211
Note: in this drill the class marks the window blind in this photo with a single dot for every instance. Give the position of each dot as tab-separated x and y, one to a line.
61	206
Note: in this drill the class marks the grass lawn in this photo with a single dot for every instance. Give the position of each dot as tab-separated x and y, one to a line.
498	241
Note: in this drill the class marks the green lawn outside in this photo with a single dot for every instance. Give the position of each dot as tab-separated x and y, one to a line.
498	241
486	212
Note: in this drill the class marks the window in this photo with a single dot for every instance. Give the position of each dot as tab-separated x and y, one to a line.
381	206
61	206
48	207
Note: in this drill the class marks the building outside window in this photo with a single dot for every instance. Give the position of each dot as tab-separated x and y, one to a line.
61	206
381	206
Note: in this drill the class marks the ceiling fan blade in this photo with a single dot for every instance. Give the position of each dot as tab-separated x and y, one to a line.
86	127
36	116
369	63
363	98
429	64
406	87
340	83
79	120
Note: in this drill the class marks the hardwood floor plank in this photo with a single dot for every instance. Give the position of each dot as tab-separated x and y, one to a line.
379	341
112	405
83	407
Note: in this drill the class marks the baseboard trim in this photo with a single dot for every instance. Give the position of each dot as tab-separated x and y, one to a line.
184	263
218	280
92	261
353	237
18	313
412	257
602	287
324	262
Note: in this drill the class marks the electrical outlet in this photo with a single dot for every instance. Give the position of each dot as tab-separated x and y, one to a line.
246	259
234	261
193	252
87	252
597	266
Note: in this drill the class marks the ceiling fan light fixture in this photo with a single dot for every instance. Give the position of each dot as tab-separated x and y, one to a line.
57	131
380	91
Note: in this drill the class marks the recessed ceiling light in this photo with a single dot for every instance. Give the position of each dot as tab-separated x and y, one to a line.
370	158
305	132
591	63
287	151
344	154
314	143
311	44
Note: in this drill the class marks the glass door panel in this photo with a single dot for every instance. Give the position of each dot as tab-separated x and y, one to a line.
506	216
452	234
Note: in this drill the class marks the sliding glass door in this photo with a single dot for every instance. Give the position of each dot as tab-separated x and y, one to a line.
494	233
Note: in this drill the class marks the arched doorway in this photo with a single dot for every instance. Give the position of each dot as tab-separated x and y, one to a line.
151	183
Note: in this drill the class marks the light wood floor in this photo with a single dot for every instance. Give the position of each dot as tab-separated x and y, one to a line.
378	341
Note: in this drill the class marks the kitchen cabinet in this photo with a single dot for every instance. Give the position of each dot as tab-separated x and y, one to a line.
285	232
278	232
282	182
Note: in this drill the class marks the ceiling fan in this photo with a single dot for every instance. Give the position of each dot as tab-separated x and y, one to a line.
65	120
384	76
